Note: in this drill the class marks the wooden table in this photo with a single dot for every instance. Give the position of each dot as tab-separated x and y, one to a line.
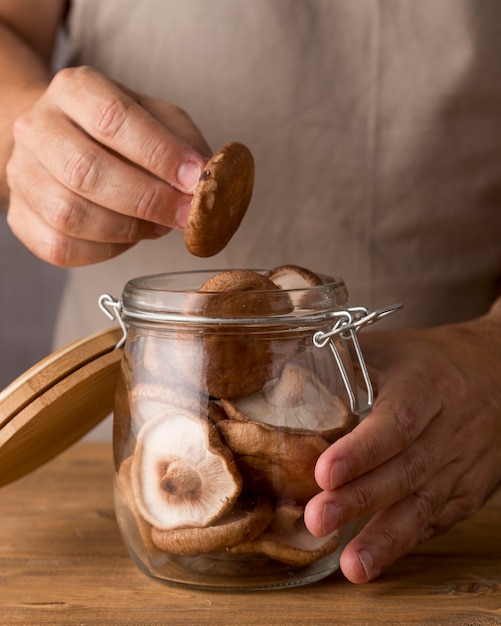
62	561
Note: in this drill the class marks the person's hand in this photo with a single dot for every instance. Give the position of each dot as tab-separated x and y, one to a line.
96	168
428	454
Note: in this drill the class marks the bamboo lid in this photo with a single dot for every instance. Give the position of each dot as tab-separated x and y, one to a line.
56	402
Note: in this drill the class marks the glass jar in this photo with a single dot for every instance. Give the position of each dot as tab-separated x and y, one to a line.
224	403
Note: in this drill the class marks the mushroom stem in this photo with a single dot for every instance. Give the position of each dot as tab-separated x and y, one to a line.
288	390
179	480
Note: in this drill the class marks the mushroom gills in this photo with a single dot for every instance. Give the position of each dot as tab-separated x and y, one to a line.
182	474
248	519
297	401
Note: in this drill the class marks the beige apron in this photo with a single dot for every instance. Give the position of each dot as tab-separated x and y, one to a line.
375	125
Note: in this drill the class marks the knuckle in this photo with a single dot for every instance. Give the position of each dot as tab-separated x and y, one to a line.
147	203
156	154
111	116
371	451
56	255
61	78
57	250
424	507
22	126
64	216
405	425
365	499
68	76
81	171
391	539
414	471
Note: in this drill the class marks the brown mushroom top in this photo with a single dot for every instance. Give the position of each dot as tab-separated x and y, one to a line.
273	460
243	293
220	200
289	541
247	519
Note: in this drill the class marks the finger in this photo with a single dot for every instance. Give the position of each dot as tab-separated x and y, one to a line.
388	483
396	530
401	412
175	119
114	119
53	246
73	215
89	170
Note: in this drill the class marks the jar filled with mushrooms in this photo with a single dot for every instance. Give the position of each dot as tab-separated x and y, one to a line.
227	396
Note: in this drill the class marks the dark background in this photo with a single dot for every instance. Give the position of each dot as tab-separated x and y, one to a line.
30	291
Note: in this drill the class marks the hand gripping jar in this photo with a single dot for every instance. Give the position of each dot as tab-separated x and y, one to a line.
226	398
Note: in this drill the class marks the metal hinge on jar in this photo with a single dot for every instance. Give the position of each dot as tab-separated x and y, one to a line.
348	323
112	309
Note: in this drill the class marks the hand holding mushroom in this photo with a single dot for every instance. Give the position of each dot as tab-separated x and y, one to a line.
126	167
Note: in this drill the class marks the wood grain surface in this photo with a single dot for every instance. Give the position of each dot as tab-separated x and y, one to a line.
62	561
56	402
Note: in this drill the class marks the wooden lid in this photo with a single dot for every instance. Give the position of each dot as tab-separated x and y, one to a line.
56	402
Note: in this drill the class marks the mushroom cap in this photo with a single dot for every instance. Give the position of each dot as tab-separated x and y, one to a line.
247	520
220	200
125	499
147	400
238	293
293	277
231	361
301	282
160	357
289	541
295	401
182	475
274	461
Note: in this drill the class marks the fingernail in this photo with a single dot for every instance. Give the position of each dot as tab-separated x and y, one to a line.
188	175
367	562
182	213
338	474
330	518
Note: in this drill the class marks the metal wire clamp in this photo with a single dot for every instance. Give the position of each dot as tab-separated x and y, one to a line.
346	327
112	309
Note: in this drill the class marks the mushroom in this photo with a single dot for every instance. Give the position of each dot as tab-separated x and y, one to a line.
220	200
247	520
227	361
182	475
148	400
160	357
278	433
296	401
298	281
289	541
301	282
273	460
293	277
216	413
127	506
239	293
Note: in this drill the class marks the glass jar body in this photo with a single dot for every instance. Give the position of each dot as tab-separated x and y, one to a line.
218	425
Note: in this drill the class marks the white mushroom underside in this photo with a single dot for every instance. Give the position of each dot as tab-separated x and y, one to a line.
181	443
315	408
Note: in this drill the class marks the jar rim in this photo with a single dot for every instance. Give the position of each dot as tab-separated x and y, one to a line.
175	297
